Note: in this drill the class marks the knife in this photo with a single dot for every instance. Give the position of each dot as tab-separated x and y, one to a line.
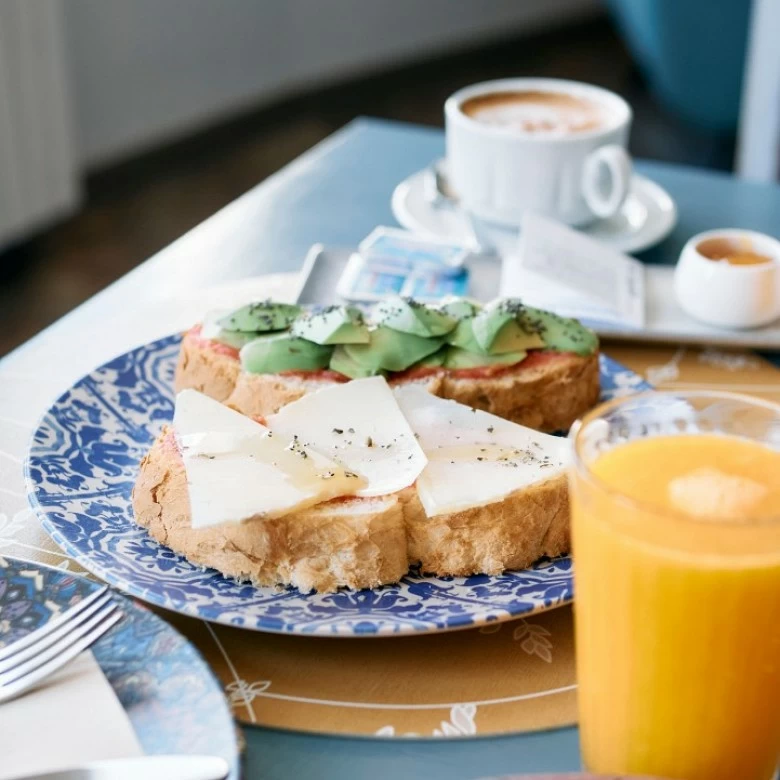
146	767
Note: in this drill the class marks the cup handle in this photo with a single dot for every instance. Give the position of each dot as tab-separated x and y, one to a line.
615	161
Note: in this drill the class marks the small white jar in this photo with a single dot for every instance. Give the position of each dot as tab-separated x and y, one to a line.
719	293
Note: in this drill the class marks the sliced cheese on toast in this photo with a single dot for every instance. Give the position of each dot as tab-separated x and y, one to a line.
237	469
475	458
359	425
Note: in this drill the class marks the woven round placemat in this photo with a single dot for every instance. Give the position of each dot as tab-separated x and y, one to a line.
503	677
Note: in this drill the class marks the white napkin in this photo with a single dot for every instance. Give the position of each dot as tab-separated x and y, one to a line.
558	268
74	718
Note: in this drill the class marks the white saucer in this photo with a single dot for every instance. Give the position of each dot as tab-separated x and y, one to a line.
647	217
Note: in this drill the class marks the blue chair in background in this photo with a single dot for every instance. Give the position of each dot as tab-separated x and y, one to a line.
692	53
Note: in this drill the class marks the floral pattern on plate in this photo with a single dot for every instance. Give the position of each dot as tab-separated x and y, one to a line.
80	471
172	699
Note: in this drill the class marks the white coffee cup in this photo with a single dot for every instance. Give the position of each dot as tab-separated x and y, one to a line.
724	295
575	176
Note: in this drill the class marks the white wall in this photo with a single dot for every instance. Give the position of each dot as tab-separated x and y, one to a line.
38	180
143	71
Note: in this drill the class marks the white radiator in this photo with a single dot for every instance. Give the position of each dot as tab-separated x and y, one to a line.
38	180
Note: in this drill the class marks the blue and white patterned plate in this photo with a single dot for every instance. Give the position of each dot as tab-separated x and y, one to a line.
173	701
80	471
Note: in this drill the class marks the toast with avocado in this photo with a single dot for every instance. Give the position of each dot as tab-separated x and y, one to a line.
528	366
351	485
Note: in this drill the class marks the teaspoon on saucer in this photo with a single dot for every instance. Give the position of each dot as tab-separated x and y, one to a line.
439	193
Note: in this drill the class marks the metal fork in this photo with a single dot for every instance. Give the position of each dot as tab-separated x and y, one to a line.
26	662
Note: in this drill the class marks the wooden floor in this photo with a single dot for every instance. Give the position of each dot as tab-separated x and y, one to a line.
134	209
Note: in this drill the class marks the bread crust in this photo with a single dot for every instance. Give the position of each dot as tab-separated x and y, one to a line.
206	370
322	548
548	396
509	534
357	543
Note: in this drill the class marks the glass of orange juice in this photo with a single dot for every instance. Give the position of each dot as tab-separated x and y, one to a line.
675	501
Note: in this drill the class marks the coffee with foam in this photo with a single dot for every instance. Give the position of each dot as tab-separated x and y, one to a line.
537	112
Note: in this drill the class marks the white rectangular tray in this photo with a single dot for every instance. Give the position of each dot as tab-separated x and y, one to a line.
665	321
323	267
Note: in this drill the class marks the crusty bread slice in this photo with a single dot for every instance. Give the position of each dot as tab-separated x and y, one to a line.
211	371
547	395
510	534
357	542
354	542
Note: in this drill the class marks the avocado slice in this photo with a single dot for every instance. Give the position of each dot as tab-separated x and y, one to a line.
211	330
434	360
510	337
391	350
340	361
507	337
463	336
406	315
561	334
278	352
233	338
497	331
261	317
460	308
462	358
332	325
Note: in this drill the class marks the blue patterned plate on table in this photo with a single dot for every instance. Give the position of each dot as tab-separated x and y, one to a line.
80	471
173	701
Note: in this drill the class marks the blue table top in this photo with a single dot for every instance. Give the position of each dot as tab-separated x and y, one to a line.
335	194
278	754
339	190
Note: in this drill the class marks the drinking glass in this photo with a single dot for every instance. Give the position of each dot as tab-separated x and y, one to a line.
675	501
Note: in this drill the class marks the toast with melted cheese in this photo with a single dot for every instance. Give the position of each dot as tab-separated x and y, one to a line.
437	484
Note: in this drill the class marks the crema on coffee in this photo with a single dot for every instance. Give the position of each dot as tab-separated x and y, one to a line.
536	111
